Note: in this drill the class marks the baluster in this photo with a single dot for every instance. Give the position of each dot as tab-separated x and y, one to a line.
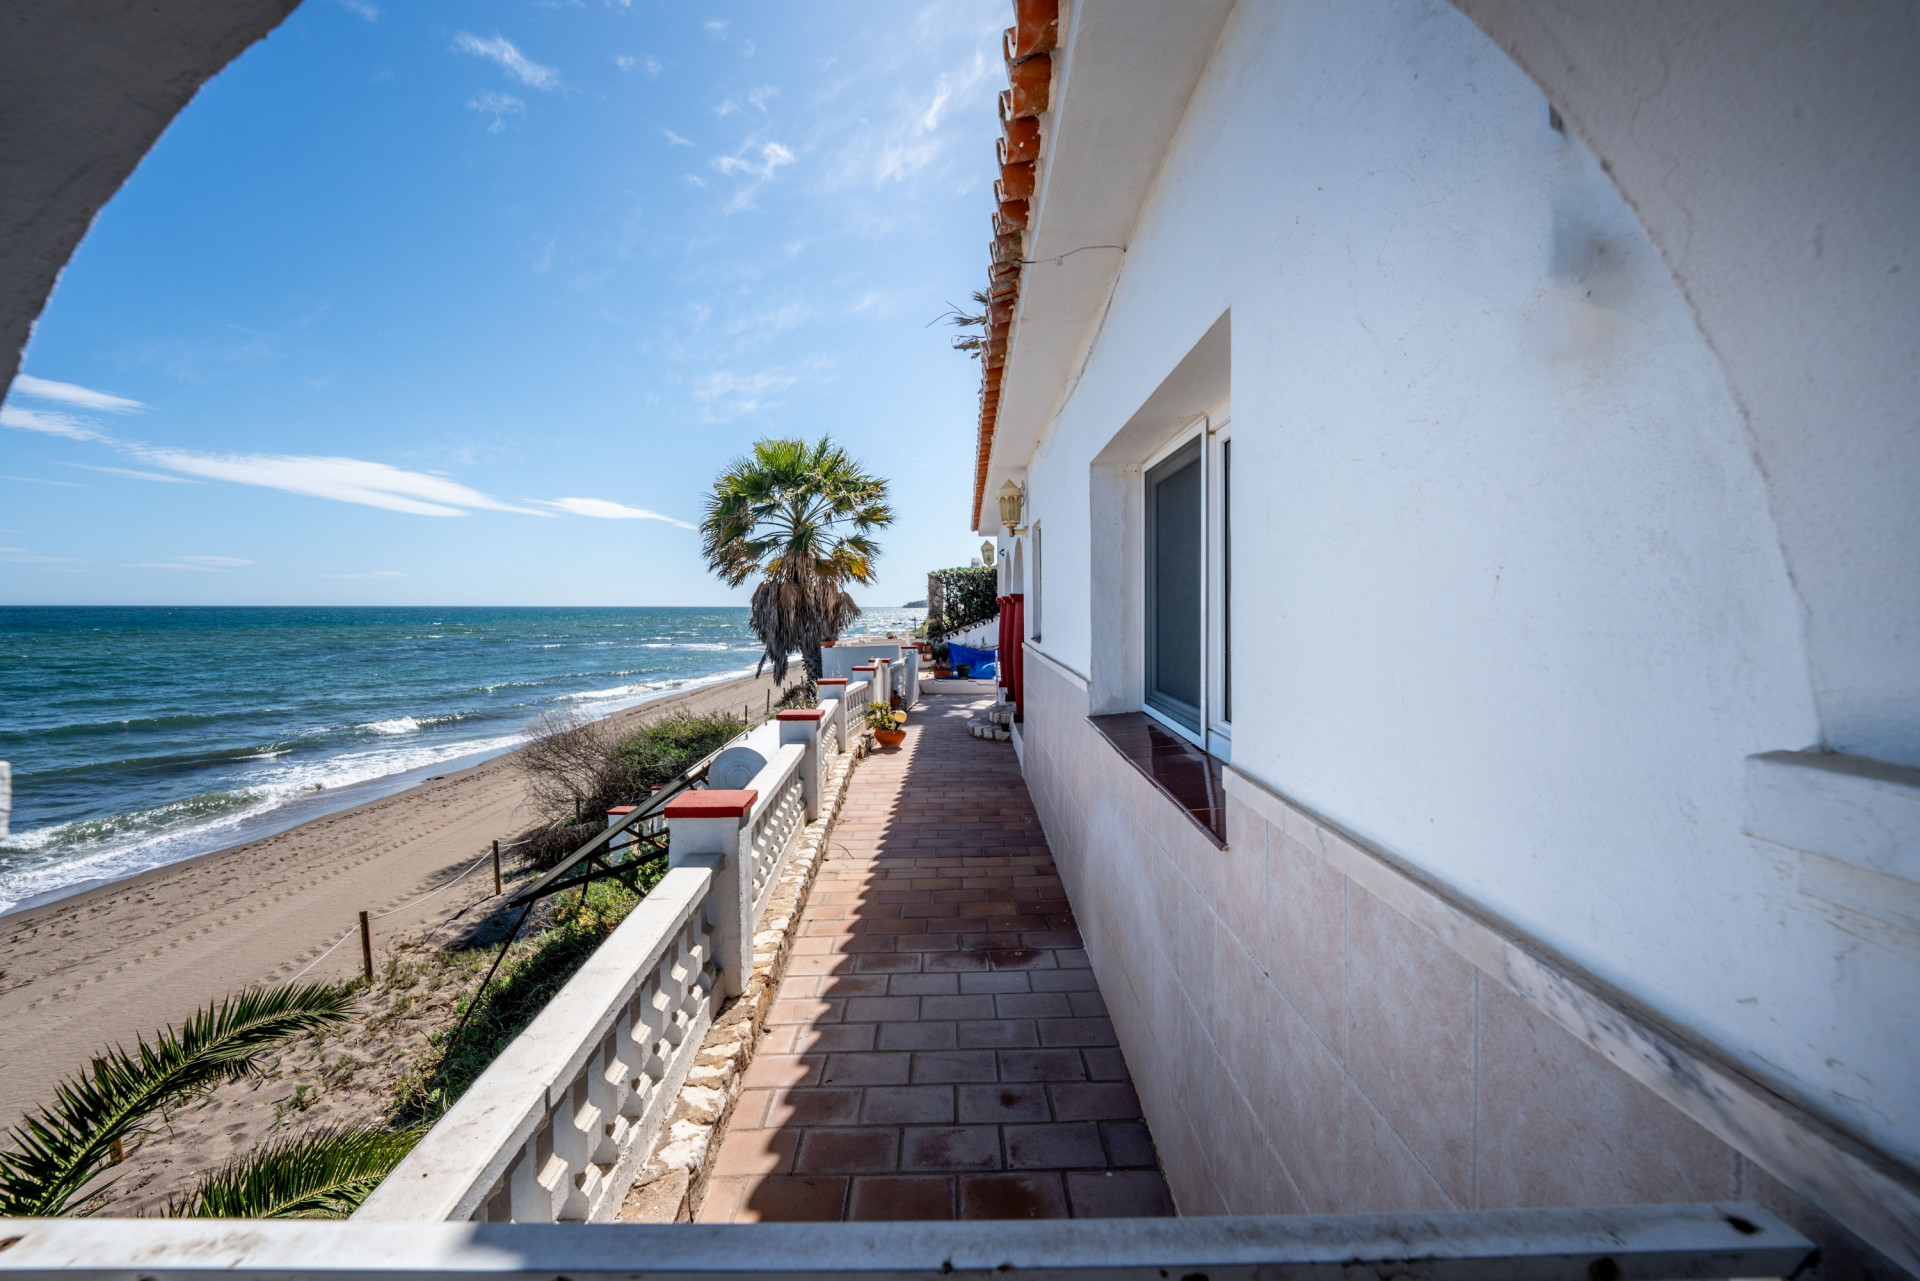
605	1086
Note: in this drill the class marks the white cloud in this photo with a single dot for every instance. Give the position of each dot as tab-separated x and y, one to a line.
758	97
131	474
47	422
776	321
499	106
725	394
35	480
773	157
370	12
717	28
378	573
502	50
605	509
73	394
623	62
345	480
218	562
167	564
676	139
653	67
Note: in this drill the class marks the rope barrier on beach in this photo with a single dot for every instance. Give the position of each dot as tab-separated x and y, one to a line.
404	906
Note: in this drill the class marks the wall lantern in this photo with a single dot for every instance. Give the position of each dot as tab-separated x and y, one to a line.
1011	498
986	554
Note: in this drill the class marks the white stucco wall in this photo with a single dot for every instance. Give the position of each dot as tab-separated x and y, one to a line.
1509	601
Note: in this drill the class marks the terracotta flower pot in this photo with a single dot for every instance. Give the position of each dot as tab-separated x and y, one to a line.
942	673
891	737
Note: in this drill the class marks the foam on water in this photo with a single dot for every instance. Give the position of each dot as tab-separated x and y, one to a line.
142	737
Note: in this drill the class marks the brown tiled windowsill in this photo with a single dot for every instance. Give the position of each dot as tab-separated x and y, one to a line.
1186	775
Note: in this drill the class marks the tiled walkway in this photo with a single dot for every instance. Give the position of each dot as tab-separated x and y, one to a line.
939	1048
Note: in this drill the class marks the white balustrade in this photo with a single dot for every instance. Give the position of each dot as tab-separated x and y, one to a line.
556	1127
774	824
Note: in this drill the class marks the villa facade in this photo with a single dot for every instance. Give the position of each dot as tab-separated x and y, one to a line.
1457	467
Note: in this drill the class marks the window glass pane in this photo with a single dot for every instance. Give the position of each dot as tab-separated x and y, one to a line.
1226	581
1174	587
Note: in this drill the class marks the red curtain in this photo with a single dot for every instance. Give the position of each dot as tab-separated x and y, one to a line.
1013	637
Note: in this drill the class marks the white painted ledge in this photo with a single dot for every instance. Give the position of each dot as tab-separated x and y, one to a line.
1621	1243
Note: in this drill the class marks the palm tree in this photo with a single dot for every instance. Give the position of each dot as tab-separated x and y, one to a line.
59	1151
799	515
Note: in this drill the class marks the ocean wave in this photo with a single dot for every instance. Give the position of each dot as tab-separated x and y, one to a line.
46	859
398	725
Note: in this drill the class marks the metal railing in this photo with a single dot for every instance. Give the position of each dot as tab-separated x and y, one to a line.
555	1128
1614	1243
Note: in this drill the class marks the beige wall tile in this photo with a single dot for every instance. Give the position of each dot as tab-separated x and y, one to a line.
1381	1174
1303	943
1298	1097
1559	1125
1410	1037
1241	877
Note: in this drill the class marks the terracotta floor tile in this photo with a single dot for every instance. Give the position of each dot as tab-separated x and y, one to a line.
975	1147
790	1199
902	1196
1054	1147
995	1104
939	1045
1118	1194
908	1105
855	1150
1012	1196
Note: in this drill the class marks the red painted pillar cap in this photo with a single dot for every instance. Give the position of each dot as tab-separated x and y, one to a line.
802	714
712	803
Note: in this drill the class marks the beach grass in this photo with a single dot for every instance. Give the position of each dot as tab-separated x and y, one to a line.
485	1019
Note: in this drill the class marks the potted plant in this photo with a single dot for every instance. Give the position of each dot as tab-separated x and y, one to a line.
938	653
885	724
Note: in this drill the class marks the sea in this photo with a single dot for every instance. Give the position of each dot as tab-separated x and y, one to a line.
143	736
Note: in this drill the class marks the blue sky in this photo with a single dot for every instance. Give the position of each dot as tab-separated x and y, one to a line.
462	303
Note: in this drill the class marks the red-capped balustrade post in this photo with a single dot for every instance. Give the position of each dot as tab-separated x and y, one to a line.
706	829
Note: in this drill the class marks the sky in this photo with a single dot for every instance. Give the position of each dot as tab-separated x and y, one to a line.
468	303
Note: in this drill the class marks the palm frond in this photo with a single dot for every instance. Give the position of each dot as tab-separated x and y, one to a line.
59	1150
323	1175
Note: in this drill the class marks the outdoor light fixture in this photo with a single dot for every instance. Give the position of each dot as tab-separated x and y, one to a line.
986	553
1011	498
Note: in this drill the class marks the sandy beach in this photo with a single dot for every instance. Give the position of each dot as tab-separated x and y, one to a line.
126	958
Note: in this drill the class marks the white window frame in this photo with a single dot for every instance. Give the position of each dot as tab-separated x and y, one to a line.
1033	583
1215	736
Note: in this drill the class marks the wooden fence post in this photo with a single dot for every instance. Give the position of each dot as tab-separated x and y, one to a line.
366	945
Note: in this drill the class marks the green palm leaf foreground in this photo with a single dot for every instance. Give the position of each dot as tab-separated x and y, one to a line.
323	1175
60	1150
800	516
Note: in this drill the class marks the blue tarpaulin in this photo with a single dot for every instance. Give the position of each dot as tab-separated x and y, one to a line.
979	662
